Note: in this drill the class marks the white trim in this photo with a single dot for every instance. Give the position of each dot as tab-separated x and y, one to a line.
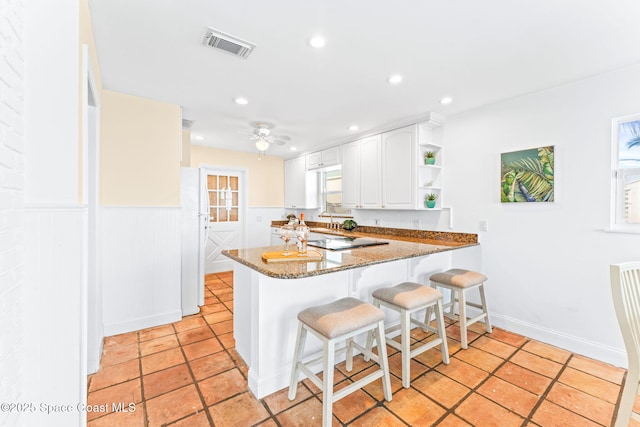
572	343
55	207
109	207
621	229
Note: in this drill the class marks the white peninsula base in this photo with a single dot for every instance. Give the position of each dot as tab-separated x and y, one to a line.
266	308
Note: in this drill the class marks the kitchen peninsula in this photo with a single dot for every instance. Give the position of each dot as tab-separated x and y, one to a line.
268	296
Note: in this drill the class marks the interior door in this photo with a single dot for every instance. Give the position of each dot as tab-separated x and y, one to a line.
225	195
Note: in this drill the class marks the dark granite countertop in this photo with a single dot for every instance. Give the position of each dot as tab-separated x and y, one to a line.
403	244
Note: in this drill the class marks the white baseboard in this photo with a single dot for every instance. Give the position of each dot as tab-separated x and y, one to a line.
141	323
572	343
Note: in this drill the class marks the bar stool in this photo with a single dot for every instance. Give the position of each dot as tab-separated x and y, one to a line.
340	320
459	281
408	298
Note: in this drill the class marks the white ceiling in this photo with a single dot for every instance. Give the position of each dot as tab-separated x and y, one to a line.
477	52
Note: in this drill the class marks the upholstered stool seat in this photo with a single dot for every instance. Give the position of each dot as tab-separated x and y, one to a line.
340	320
459	281
408	298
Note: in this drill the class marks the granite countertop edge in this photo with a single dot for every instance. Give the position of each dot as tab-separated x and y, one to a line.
403	244
300	275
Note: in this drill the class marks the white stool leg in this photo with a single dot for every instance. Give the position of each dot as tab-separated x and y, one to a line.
405	326
327	383
297	358
444	347
369	344
483	299
349	360
462	316
384	362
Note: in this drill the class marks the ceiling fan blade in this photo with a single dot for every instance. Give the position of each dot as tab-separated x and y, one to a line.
278	142
282	137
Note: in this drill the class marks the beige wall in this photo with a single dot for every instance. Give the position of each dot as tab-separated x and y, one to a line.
266	175
186	147
140	144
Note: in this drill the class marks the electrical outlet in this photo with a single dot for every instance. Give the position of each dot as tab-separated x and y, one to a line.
376	221
484	225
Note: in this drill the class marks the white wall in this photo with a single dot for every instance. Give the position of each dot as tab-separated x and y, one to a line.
54	330
12	239
547	263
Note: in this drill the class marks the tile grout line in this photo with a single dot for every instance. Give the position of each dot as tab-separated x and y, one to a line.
205	409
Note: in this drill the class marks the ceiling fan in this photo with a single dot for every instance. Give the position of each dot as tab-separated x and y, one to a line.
263	137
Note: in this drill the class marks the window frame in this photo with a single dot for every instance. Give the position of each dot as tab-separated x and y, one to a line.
324	192
618	192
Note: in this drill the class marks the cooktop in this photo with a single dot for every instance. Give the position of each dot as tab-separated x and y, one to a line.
343	243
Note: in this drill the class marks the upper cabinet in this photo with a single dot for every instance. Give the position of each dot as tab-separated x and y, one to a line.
388	171
300	186
324	158
362	173
399	151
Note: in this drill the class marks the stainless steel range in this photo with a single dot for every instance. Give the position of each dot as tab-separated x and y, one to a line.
344	243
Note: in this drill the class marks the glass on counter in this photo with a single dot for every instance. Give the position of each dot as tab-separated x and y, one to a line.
287	232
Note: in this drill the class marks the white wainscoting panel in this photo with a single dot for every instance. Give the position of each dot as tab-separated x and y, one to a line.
141	279
54	318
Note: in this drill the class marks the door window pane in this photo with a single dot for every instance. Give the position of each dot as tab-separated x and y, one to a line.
224	198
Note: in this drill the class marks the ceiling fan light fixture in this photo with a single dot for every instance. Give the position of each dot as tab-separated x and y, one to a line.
262	145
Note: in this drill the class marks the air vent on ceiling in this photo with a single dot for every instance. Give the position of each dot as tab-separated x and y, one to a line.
219	40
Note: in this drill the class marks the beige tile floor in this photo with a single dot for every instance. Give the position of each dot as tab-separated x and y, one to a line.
188	374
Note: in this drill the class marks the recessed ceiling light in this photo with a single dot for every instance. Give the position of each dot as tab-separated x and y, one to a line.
353	127
317	41
395	79
446	100
198	137
241	101
293	148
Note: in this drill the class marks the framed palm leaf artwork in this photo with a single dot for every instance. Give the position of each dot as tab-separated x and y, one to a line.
527	175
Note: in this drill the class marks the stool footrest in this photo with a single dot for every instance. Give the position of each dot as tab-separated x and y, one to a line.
310	374
357	385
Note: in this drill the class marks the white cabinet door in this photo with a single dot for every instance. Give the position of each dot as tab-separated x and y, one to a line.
371	172
314	160
294	186
324	158
351	175
399	149
331	156
300	186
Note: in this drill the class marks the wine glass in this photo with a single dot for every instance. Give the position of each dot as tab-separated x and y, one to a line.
286	233
302	234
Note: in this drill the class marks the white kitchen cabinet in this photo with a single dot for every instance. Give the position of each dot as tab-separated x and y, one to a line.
351	175
324	158
399	153
300	186
362	173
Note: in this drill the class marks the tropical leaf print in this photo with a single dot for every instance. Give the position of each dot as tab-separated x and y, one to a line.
527	176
